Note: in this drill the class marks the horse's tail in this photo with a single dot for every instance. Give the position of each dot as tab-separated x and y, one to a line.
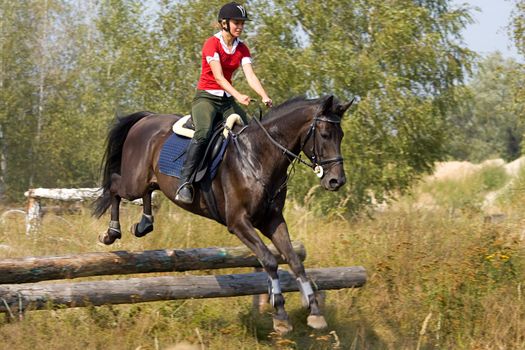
113	156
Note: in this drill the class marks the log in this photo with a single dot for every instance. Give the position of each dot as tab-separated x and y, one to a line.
34	269
64	194
70	194
35	296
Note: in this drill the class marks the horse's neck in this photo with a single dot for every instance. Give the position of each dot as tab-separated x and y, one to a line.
287	130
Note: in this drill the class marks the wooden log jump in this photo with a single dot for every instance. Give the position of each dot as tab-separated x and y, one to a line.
34	269
41	295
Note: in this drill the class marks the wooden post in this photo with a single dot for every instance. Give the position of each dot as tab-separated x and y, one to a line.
34	215
34	269
41	295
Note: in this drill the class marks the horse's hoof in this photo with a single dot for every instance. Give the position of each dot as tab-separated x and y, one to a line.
108	237
282	327
135	230
316	322
103	237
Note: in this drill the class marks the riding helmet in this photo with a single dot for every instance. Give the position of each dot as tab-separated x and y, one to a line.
233	10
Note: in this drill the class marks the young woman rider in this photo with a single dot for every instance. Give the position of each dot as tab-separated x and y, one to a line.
222	54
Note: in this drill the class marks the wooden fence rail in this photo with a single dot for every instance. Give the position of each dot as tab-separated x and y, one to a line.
34	296
34	269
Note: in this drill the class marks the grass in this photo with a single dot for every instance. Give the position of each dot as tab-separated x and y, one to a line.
466	193
436	281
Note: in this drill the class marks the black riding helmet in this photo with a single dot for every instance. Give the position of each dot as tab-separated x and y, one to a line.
233	10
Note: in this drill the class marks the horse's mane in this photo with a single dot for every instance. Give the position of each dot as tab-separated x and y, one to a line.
292	104
288	106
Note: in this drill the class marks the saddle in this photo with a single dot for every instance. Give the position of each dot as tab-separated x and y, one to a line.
173	152
173	155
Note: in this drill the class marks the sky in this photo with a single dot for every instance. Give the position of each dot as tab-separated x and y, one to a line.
488	32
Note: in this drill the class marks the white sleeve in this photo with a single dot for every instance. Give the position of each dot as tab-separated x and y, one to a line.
246	60
215	57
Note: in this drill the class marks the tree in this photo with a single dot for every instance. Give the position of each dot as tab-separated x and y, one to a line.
403	58
487	125
517	27
16	95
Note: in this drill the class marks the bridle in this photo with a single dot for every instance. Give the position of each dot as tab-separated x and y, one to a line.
315	162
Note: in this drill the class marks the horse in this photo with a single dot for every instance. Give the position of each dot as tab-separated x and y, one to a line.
249	187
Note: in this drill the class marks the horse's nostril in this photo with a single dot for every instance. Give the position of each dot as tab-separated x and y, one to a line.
333	183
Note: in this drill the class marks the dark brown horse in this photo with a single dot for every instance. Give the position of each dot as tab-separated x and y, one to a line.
250	185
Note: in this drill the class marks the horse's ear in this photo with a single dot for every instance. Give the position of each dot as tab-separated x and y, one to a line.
341	109
326	104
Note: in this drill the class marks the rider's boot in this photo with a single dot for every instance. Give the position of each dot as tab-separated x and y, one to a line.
194	154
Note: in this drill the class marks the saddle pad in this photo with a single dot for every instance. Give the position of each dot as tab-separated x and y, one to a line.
173	154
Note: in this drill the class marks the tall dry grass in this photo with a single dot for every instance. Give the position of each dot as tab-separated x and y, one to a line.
438	279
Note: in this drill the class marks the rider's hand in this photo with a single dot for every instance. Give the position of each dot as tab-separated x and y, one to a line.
268	102
244	99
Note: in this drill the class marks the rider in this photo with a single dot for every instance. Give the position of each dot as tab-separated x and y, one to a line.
222	54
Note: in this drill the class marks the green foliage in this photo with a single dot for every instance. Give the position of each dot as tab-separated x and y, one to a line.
488	122
466	193
517	25
514	193
403	60
111	57
16	121
492	178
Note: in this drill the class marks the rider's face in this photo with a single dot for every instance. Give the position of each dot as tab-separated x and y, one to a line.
236	27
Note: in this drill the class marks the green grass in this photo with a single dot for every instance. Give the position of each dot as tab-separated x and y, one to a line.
465	194
463	276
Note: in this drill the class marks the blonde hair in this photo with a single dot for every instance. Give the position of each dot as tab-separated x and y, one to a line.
217	25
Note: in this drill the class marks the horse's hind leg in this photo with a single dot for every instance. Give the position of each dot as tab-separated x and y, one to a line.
113	233
243	229
277	231
145	225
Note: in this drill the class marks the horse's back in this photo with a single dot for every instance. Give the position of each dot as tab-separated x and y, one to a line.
152	125
142	147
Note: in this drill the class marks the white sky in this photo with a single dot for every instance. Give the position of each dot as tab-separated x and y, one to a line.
488	32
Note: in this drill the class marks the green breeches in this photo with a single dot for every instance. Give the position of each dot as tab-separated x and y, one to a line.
207	109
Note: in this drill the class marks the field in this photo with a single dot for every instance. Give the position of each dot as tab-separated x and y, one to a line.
445	272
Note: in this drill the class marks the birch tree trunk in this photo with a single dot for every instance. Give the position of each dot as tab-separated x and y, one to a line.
42	69
3	159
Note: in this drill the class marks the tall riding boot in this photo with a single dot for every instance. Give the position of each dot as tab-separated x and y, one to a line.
195	152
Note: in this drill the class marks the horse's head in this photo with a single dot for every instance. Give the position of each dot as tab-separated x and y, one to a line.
322	142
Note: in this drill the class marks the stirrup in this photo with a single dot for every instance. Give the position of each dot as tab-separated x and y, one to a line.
186	185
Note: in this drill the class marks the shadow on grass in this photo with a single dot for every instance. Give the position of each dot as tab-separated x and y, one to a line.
355	334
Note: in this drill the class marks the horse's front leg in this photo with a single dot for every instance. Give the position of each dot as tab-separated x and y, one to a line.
242	228
276	229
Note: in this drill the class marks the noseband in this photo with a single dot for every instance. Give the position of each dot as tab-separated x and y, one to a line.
315	163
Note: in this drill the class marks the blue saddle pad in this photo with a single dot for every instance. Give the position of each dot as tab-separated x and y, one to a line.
173	154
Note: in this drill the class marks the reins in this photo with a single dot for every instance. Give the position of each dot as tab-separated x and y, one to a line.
281	147
315	164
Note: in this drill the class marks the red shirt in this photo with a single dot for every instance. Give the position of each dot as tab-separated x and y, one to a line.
215	49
